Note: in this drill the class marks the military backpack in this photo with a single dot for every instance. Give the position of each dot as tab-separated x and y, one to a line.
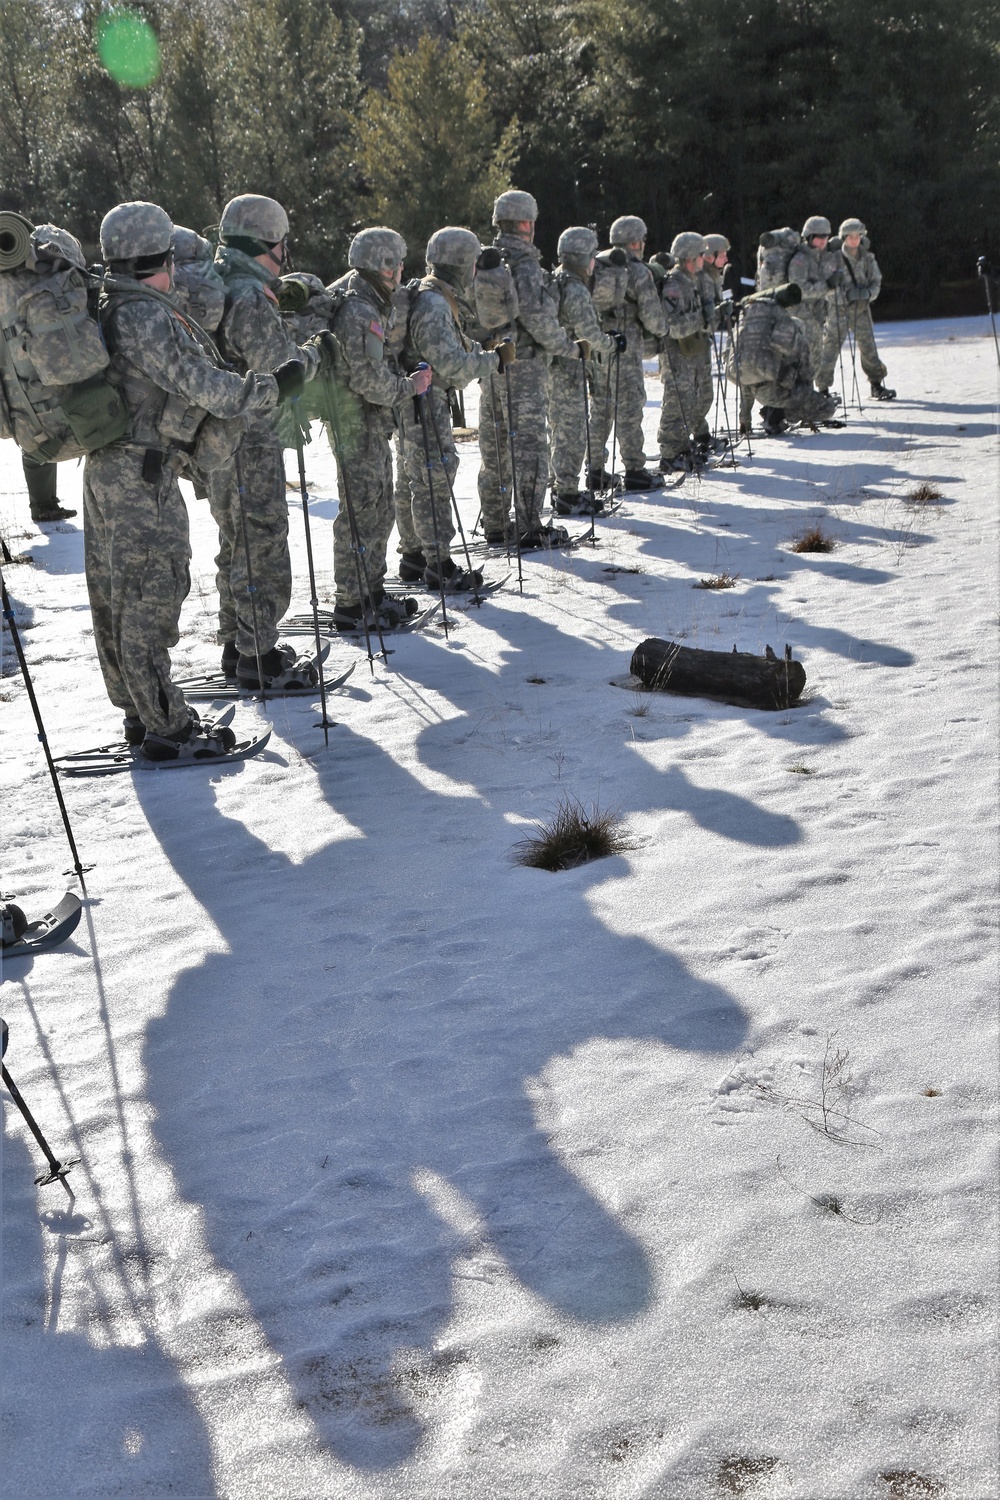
774	256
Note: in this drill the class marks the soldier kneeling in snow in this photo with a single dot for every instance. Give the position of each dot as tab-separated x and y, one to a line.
770	361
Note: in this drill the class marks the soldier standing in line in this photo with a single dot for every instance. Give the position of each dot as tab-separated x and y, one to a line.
686	360
817	270
642	320
367	388
577	250
720	298
136	529
851	312
252	336
441	307
537	337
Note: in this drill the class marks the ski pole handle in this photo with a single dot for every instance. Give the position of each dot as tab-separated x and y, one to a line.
423	365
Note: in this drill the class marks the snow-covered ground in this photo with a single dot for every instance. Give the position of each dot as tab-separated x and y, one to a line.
409	1172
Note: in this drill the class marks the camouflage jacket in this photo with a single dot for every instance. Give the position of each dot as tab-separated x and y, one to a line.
684	310
367	377
863	280
768	344
643	308
168	379
578	315
812	270
252	334
537	327
434	333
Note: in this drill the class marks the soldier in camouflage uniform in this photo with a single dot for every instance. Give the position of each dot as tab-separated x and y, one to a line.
198	288
850	312
770	360
537	337
686	361
441	307
252	336
716	293
643	319
570	377
135	523
364	389
817	270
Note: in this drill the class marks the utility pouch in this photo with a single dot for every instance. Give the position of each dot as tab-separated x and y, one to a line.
691	343
152	466
95	413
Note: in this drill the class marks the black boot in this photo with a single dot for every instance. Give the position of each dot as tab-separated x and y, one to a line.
230	660
639	479
282	667
411	567
882	392
456	580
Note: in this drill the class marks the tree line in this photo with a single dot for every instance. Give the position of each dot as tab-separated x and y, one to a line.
733	116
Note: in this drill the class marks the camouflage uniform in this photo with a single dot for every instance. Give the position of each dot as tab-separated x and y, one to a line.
569	375
538	336
850	312
252	336
436	336
643	318
198	289
402	495
367	390
135	523
686	361
771	357
812	269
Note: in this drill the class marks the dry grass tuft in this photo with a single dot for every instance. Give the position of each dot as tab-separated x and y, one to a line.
931	1093
575	836
719	581
924	494
813	539
907	1484
739	1472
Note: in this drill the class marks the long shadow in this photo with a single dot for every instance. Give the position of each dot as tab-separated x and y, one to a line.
345	1091
91	1420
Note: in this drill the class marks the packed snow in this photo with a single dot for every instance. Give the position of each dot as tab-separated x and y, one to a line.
406	1171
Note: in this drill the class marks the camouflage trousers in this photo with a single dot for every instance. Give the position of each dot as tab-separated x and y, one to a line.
428	520
364	478
262	467
137	557
625	373
812	316
794	394
687	397
852	319
568	391
529	387
402	499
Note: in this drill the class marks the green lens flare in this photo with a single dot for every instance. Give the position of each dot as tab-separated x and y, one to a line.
127	46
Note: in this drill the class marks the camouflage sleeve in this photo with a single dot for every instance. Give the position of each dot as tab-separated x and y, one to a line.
804	269
579	317
360	337
156	342
255	333
645	293
435	338
873	276
535	311
680	320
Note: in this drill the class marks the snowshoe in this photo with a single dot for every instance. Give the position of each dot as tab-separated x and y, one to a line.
196	741
411	567
882	393
282	667
577	503
395	609
639	479
495	538
543	536
456	580
679	464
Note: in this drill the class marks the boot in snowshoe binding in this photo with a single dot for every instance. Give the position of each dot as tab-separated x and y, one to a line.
282	667
882	393
411	567
456	580
577	503
543	536
196	741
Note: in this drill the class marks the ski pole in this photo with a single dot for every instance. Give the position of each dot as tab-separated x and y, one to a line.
614	435
722	402
78	867
511	435
251	586
57	1169
420	402
501	481
332	403
325	724
734	335
454	501
591	536
840	348
983	269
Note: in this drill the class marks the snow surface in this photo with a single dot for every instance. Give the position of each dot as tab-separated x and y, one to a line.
409	1172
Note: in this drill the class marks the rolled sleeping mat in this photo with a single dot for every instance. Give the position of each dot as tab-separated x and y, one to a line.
15	240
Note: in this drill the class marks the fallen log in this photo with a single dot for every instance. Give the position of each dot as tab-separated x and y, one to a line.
766	681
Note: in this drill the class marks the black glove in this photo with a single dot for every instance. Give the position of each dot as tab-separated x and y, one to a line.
617	257
326	347
506	352
853	294
489	258
291	378
836	278
621	342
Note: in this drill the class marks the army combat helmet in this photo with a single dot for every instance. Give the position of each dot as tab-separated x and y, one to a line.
136	238
688	246
253	224
628	229
377	249
577	247
453	246
851	226
816	226
514	207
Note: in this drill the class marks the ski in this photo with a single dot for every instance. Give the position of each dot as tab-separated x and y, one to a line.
50	930
213	687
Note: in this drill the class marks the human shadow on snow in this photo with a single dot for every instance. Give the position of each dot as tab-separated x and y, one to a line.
362	1050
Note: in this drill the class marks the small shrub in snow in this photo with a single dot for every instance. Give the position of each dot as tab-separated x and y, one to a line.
718	581
813	539
575	836
739	1472
923	495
